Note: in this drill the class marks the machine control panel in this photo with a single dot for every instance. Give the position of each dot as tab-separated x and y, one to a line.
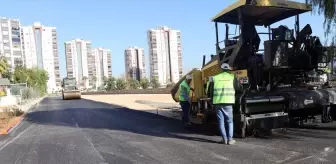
242	76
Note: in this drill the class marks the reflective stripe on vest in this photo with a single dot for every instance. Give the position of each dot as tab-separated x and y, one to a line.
223	92
184	89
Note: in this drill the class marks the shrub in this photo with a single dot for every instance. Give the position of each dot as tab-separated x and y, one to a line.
26	93
29	93
121	84
13	111
133	91
144	83
110	83
134	84
155	83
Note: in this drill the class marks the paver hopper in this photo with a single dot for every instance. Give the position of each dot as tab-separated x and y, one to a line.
70	90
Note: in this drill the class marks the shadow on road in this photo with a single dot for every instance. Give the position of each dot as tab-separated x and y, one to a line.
97	115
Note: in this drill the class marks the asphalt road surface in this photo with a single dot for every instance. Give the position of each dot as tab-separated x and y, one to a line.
87	132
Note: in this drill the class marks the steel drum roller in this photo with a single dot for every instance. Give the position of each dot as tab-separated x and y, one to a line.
70	89
71	95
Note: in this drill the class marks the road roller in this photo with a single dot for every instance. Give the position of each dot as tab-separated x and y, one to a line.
70	89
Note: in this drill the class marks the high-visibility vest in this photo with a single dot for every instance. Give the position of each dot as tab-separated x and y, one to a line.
184	89
327	70
223	90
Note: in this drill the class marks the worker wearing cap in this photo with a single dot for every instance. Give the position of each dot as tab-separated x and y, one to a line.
185	100
223	97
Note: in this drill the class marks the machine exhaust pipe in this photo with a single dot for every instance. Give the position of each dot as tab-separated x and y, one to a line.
203	64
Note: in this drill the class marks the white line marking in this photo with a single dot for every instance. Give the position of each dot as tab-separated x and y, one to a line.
15	138
219	157
327	150
301	159
287	158
319	156
90	143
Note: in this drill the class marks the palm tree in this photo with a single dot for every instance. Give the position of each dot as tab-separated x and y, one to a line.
3	65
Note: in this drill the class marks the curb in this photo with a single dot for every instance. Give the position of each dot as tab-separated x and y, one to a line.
22	117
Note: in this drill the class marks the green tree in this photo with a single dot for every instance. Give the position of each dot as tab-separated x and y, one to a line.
327	9
9	76
38	79
3	66
155	83
35	78
121	84
111	84
105	80
144	83
134	84
20	75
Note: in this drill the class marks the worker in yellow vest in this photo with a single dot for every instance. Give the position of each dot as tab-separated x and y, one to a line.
224	86
185	100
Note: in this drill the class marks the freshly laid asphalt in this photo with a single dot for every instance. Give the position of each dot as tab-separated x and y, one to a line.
87	132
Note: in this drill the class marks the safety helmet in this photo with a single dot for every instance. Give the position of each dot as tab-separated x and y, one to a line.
189	77
225	66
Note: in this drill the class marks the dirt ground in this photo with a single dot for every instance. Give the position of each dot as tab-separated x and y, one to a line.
7	120
129	101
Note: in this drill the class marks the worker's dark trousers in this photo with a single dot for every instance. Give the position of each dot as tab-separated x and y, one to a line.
185	111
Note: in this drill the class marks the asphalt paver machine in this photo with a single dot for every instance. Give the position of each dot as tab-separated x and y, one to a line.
70	89
278	89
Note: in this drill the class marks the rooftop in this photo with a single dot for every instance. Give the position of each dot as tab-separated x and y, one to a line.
133	47
4	81
261	12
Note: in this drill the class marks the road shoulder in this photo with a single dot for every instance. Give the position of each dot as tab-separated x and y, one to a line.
17	120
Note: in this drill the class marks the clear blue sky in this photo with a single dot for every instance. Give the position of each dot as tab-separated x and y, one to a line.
118	24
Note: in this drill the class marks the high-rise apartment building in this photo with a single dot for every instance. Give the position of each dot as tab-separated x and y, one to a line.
40	50
77	54
92	70
103	65
165	54
10	42
135	63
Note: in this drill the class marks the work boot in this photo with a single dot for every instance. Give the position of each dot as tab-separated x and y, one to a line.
231	142
223	142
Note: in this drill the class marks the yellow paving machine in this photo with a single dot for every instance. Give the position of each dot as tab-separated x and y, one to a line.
277	80
70	89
